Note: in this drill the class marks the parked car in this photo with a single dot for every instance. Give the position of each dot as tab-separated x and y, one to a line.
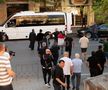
101	31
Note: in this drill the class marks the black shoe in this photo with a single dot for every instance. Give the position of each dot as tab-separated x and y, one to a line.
73	88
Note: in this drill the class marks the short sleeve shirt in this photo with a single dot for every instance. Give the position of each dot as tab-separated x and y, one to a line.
58	74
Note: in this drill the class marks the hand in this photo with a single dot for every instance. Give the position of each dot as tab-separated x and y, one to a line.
49	68
43	67
64	84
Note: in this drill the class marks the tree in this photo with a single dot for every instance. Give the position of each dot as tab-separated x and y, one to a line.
2	1
101	10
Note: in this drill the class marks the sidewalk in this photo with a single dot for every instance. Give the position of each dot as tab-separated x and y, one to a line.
27	66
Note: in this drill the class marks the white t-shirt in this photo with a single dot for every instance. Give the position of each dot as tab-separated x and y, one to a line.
6	54
67	66
77	65
84	41
5	79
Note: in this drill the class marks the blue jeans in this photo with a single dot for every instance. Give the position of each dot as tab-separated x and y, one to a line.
76	77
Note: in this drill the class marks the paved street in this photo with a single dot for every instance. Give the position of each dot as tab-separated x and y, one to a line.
26	64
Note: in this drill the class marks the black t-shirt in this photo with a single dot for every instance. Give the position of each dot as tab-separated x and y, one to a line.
100	56
92	62
39	36
68	41
58	73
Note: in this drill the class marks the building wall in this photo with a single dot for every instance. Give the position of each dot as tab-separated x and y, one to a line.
66	6
3	14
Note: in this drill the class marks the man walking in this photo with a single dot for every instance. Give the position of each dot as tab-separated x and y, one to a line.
32	38
58	79
84	41
100	57
68	44
6	73
77	64
67	68
39	38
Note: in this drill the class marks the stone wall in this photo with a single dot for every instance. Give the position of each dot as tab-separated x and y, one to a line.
3	13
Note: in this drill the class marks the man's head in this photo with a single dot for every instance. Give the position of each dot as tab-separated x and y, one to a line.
40	30
33	30
48	51
2	47
66	54
77	55
61	63
100	47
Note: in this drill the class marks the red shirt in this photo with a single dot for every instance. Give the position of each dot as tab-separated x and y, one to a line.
60	35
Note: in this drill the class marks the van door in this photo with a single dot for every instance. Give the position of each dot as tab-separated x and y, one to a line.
11	30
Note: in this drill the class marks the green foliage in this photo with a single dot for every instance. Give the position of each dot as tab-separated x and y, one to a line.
101	10
2	1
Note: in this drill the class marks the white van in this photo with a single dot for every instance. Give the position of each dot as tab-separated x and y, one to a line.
21	24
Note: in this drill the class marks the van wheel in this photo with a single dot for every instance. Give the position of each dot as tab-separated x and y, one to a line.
4	38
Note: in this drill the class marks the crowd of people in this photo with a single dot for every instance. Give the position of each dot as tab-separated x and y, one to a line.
65	69
62	70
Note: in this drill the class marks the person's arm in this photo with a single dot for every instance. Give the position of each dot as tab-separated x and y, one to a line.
99	66
62	83
71	69
10	72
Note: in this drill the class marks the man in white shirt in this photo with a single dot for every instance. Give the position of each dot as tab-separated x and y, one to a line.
84	41
67	68
77	64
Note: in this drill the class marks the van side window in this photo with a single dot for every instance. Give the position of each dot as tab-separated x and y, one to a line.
40	20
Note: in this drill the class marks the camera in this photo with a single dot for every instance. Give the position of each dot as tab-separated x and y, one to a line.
11	53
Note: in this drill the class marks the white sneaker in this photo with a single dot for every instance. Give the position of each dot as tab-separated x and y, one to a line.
46	85
49	85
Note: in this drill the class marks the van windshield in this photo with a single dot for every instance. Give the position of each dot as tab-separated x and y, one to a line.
39	20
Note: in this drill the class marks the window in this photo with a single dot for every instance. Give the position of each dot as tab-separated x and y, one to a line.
40	20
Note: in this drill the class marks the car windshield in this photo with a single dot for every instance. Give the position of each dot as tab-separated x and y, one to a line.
103	27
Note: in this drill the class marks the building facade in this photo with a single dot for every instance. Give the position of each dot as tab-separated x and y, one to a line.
81	9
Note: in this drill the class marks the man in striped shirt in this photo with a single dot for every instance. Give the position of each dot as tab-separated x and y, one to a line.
6	73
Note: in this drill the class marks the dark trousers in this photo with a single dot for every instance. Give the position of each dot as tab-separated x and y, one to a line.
69	49
45	73
93	72
8	87
39	45
32	45
55	59
67	80
58	87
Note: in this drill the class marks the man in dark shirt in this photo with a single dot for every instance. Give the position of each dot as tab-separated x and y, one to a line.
58	78
39	39
100	56
56	35
93	64
55	52
68	44
32	38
